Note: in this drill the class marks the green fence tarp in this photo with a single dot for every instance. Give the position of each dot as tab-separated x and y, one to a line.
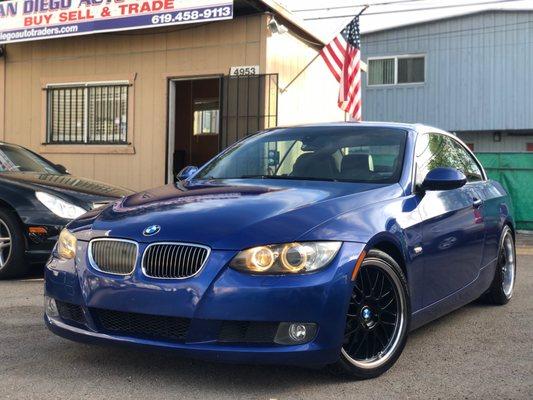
515	172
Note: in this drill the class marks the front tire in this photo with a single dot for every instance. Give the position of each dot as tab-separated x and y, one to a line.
12	246
502	287
378	319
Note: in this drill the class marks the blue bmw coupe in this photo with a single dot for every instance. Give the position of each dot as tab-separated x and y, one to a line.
314	246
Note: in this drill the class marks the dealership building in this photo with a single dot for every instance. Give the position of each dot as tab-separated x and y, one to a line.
132	107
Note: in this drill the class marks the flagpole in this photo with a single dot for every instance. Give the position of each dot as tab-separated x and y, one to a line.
300	73
313	60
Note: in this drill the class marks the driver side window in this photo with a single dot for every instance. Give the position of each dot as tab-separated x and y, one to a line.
435	151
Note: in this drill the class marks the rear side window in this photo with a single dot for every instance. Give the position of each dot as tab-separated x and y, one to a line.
436	151
17	159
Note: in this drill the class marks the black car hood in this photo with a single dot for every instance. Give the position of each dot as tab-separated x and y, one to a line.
84	190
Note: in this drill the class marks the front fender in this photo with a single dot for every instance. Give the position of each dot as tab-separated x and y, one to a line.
18	197
396	219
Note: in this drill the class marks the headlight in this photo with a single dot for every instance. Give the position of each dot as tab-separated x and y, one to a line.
60	207
290	258
66	245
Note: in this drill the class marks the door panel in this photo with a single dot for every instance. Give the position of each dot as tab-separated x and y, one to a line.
453	220
197	117
494	207
453	236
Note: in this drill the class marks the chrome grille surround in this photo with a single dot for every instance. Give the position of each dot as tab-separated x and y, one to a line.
104	256
173	260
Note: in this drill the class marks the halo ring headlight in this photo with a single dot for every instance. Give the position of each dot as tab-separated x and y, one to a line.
262	259
290	264
286	258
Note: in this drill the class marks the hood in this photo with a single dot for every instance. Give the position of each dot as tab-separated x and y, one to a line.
230	215
81	189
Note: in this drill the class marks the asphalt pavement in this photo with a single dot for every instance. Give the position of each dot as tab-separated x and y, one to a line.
477	352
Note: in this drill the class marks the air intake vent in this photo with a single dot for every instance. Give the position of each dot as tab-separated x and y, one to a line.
174	260
247	332
116	257
142	325
70	312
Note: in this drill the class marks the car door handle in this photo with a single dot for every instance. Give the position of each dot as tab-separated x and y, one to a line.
478	203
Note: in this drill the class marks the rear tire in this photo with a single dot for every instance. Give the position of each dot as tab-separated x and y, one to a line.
378	319
502	287
12	246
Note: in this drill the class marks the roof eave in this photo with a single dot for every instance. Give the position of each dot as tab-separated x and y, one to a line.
445	18
293	21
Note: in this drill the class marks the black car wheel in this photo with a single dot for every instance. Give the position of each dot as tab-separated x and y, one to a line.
12	247
502	287
378	318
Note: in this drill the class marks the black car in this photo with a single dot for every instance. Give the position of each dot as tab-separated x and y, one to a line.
37	199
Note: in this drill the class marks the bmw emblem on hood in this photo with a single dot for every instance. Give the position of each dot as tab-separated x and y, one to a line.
152	230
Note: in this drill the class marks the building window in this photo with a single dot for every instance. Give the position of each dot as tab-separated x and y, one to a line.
381	72
88	113
206	117
396	70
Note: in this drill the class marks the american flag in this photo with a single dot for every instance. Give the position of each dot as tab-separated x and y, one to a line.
343	57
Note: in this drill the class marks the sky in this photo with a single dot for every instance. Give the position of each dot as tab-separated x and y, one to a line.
330	27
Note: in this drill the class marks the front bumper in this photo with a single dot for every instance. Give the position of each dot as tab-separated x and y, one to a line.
216	296
41	231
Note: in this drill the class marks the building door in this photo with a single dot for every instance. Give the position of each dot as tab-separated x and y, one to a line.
196	122
206	115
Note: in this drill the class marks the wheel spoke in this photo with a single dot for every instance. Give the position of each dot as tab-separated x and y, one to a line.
371	346
356	284
391	301
353	331
363	272
378	334
387	312
374	286
384	296
385	332
361	342
381	286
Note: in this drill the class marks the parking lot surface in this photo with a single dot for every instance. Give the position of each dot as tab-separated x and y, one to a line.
478	351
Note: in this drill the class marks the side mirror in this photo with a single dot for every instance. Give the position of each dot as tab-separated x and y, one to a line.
186	173
444	179
61	169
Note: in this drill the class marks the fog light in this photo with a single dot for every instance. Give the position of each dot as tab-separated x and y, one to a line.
297	332
50	307
292	333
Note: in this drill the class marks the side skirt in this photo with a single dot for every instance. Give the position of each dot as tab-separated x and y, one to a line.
456	300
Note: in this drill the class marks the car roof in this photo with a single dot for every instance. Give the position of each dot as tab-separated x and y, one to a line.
8	144
419	128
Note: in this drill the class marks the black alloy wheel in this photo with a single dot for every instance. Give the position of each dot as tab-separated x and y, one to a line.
502	288
378	317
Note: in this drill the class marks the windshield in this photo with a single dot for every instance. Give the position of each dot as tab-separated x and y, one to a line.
17	159
345	154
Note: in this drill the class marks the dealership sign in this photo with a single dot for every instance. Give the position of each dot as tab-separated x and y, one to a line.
25	20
